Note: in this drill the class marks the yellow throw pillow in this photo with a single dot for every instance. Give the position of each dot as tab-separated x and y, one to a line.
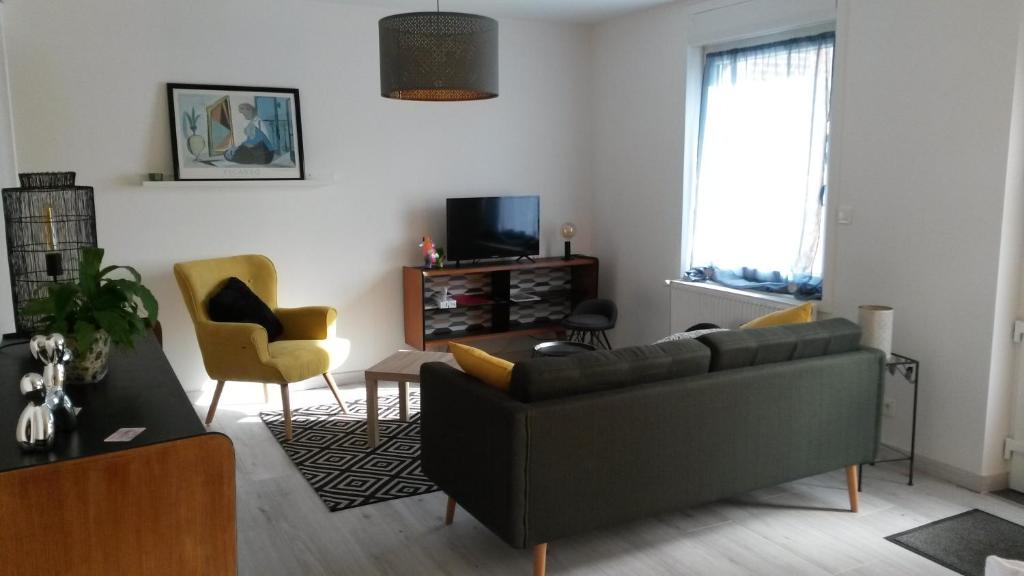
491	370
801	314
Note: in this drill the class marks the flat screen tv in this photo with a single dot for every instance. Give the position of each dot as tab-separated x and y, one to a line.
493	227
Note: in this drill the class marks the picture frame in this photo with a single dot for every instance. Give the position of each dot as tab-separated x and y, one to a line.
221	132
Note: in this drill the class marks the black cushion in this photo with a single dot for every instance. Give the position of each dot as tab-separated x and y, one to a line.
236	302
756	346
540	379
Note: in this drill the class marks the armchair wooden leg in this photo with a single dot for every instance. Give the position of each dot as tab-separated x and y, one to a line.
334	390
540	559
449	513
213	404
286	405
851	486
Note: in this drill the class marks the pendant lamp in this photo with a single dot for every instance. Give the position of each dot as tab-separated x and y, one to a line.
438	56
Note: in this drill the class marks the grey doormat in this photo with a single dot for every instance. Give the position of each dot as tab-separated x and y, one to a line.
330	450
1010	495
962	542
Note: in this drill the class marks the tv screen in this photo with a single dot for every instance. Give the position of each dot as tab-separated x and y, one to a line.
494	227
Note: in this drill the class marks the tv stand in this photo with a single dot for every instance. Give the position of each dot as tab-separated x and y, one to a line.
494	300
520	259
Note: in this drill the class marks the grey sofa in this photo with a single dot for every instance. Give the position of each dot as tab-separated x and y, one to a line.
606	437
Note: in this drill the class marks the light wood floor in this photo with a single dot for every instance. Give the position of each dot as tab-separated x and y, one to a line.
795	529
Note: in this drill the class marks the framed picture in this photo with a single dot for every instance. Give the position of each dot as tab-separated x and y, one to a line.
235	132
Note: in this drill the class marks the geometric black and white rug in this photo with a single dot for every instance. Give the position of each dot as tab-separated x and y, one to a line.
330	450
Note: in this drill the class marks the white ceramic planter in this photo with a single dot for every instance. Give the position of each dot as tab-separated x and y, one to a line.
90	366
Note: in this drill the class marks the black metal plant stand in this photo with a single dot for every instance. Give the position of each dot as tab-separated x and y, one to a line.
908	368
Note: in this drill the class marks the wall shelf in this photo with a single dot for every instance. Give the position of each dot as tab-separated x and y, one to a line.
207	184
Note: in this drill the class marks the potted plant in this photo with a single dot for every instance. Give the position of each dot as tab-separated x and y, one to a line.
95	312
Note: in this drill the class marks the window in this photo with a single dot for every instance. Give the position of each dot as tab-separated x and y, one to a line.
762	166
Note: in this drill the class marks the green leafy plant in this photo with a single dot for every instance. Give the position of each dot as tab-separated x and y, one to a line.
98	302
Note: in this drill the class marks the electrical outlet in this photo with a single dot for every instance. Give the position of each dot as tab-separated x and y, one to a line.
889	407
844	215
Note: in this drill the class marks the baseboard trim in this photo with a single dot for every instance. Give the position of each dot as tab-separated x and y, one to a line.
963	478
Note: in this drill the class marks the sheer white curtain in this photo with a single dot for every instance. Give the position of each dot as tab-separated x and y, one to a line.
763	158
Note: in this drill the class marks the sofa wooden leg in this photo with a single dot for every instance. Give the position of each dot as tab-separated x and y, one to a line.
851	486
213	404
540	559
449	513
287	406
266	393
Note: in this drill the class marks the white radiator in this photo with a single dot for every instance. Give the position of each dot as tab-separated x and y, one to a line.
696	302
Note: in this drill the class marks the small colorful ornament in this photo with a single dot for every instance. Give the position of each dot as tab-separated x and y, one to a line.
429	252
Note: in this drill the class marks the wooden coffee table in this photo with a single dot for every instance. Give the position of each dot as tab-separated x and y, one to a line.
402	367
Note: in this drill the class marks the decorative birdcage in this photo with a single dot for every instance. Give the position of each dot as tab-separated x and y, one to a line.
49	220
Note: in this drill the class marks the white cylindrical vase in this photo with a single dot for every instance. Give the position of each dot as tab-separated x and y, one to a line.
876	327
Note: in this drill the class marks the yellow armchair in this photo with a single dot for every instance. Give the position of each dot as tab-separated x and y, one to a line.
241	352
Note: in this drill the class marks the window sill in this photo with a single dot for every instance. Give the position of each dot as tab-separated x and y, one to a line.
736	293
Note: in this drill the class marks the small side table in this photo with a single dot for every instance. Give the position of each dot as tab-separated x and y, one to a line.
560	348
402	367
908	368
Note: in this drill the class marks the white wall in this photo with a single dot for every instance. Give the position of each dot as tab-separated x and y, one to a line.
8	174
88	83
927	88
1005	400
924	90
640	145
639	88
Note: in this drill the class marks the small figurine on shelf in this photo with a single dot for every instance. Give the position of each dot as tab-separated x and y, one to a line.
55	355
35	425
440	258
49	409
429	252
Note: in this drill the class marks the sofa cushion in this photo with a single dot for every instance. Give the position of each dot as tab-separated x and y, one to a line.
755	346
539	379
490	370
801	314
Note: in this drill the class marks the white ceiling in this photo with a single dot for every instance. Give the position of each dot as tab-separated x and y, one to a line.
586	11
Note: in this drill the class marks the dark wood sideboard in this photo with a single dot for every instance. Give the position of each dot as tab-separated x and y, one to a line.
163	503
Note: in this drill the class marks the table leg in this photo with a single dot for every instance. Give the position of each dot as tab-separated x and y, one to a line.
403	401
371	412
913	427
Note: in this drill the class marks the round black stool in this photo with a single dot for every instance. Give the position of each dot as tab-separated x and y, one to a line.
590	320
560	349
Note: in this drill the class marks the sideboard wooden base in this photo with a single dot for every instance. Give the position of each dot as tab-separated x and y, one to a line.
160	509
